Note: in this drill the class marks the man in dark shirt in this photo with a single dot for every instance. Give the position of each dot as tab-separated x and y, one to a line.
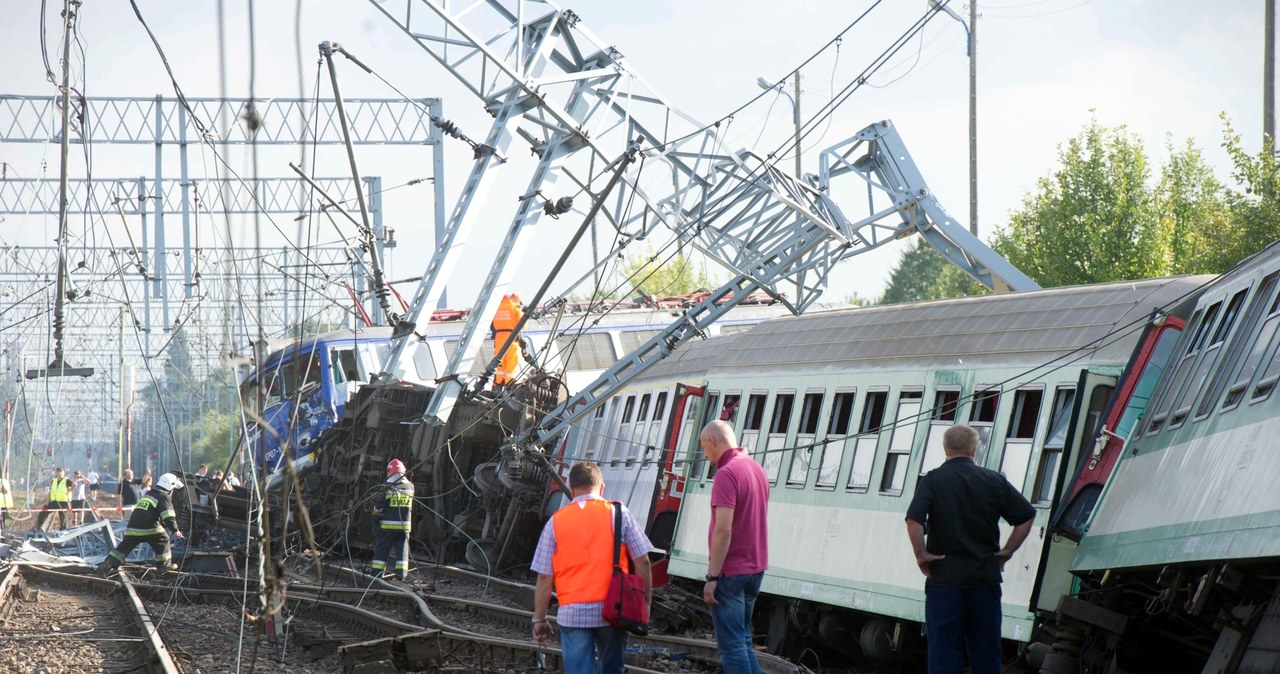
130	489
962	503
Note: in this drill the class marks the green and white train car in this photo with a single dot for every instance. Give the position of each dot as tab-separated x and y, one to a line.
845	410
1188	528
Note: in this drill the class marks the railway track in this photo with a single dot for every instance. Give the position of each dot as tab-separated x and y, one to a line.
76	623
491	619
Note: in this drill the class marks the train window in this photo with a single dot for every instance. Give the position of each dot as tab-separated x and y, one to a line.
946	405
585	351
1261	344
710	413
841	413
753	421
901	442
837	428
1261	300
660	406
730	411
643	414
982	417
627	409
1026	412
1211	348
423	362
864	446
985	404
343	364
1022	430
1051	453
779	427
1198	333
810	410
634	339
873	413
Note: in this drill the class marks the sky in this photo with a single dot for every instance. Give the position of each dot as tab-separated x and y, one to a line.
1165	68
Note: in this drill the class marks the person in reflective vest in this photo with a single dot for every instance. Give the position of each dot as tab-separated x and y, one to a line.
6	501
151	522
504	322
59	500
395	514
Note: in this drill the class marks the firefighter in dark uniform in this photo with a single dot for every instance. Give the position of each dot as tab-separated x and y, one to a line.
394	513
152	522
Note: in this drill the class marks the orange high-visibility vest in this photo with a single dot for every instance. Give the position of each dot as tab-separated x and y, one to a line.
504	321
583	561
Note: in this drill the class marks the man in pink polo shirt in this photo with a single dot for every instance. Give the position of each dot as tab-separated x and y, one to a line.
738	544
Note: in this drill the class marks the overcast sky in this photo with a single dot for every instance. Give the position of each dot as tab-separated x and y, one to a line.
1044	67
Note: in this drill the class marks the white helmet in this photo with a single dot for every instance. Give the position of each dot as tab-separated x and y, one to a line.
169	482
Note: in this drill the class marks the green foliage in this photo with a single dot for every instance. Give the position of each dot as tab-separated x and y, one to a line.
652	273
1094	219
925	274
1255	205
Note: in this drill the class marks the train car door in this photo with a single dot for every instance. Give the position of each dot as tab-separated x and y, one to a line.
681	428
1089	404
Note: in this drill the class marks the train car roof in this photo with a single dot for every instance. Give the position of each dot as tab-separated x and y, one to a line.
1011	328
641	319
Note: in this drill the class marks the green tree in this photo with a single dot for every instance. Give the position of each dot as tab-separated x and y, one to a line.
1094	219
1255	204
922	273
652	273
1193	214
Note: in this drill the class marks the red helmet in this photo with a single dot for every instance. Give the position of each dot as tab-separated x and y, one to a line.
396	466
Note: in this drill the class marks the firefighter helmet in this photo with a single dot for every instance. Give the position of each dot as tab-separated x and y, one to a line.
169	482
396	466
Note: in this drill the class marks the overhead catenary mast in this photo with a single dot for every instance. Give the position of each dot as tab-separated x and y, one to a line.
58	367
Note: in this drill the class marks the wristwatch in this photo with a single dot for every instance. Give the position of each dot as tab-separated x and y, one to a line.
711	578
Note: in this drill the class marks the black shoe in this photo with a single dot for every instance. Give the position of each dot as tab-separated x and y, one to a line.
166	566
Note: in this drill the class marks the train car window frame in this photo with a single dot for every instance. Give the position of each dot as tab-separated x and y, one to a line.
1234	351
702	469
810	418
839	412
1187	352
867	441
753	421
781	413
945	412
1049	462
1210	351
1262	344
1020	435
984	409
902	440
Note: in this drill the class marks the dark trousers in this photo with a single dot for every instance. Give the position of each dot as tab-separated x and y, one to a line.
158	542
391	541
962	621
61	507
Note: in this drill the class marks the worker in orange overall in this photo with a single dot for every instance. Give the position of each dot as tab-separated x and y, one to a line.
504	322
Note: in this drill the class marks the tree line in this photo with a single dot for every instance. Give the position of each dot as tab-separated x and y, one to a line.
1105	214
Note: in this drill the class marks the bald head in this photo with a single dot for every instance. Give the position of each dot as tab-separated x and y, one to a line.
716	438
960	441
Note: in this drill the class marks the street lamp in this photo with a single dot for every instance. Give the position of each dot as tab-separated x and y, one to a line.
795	111
971	39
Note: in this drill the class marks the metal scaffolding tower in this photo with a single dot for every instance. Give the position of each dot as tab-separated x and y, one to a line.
128	295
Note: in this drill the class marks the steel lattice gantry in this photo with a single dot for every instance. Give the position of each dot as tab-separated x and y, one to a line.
576	101
213	292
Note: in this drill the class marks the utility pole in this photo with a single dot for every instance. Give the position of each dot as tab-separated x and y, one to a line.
795	115
973	116
58	367
1269	74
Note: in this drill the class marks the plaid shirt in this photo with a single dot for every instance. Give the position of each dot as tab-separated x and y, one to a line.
587	613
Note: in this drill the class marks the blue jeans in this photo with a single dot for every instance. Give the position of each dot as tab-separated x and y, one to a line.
960	620
735	600
592	650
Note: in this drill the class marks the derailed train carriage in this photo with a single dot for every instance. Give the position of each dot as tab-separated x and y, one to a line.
1168	566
